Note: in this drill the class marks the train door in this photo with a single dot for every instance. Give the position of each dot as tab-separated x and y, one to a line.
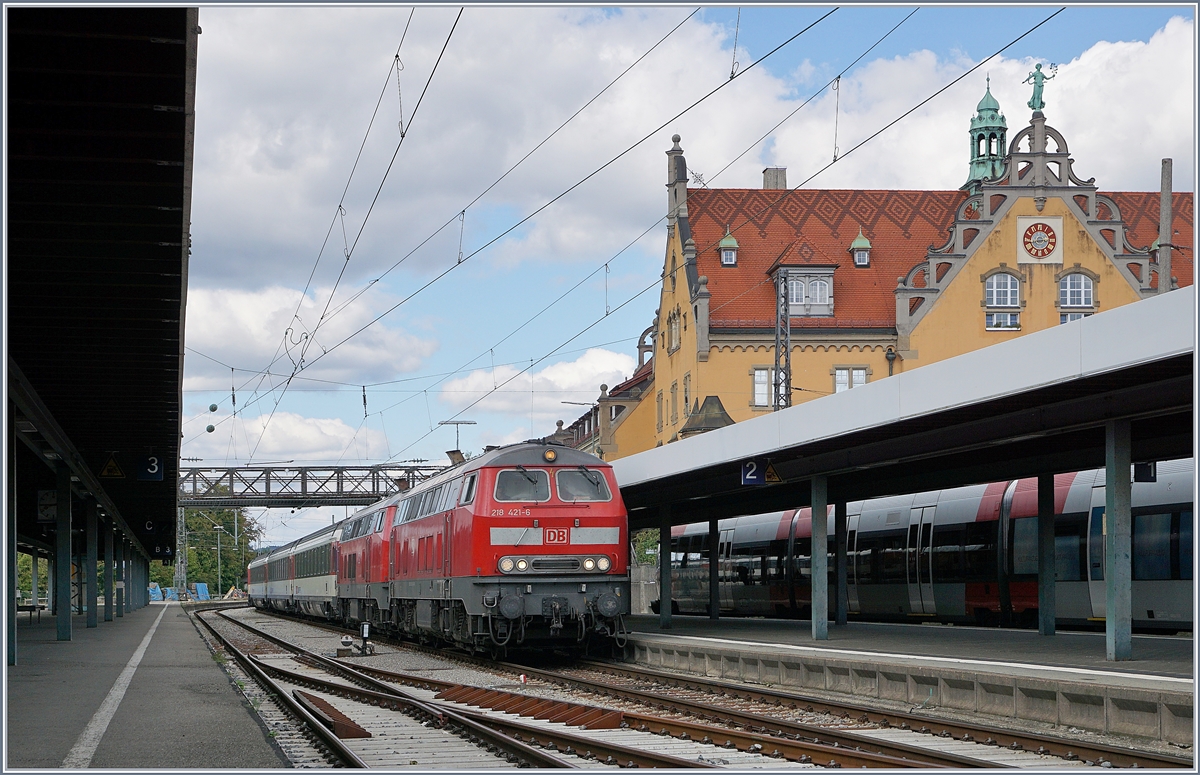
1096	535
725	570
920	578
852	563
447	528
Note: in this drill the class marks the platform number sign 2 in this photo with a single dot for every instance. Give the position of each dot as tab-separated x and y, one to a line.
759	472
150	469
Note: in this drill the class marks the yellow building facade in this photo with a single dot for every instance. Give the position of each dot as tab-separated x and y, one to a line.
855	286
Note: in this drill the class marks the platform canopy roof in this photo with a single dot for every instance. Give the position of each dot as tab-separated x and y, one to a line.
99	165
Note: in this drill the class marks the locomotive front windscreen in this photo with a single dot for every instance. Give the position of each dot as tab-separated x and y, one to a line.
522	484
581	485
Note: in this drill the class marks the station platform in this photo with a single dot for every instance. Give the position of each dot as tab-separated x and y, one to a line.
179	710
1062	680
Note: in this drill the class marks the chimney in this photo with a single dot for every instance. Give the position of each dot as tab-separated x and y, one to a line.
1164	229
775	178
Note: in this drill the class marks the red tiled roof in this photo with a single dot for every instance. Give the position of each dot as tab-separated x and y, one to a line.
816	227
1139	210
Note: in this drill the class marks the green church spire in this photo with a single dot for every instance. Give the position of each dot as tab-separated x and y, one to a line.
988	141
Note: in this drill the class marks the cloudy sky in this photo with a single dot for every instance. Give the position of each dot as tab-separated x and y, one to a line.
484	264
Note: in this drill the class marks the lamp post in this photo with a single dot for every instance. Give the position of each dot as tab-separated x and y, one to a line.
220	580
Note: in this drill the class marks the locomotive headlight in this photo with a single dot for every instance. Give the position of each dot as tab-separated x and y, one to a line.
604	563
522	564
506	565
589	564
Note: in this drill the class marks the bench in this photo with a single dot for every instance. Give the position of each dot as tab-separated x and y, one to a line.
31	608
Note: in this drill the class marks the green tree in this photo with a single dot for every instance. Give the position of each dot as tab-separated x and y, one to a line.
201	538
645	546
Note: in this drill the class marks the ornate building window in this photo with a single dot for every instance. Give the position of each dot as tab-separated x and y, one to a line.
673	332
687	394
1002	300
674	402
795	291
810	291
1002	290
659	402
818	292
1075	290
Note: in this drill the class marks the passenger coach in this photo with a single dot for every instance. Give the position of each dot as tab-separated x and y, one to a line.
961	555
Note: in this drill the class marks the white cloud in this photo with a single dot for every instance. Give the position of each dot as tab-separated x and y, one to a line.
542	392
282	436
243	329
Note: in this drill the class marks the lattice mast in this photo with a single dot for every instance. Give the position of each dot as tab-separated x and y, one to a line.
781	377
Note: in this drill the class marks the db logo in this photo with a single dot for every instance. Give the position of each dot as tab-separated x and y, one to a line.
556	535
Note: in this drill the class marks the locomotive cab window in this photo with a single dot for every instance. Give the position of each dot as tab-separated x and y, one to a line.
379	521
522	484
468	491
581	484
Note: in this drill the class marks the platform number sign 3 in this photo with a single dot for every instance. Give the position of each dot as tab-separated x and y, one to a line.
150	469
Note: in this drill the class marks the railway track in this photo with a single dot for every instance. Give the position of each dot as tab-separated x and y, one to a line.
763	720
363	716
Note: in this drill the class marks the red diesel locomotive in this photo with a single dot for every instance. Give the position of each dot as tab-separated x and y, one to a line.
523	546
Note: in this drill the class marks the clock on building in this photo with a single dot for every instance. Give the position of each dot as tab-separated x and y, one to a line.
1039	240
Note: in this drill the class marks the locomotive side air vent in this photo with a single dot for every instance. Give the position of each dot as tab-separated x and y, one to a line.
556	563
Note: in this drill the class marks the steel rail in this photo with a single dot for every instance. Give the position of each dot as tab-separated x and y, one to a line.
298	711
806	740
623	756
831	739
1095	752
765	724
840	753
388	695
393	699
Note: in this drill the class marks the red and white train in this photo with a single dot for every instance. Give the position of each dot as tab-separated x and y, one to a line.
962	555
526	545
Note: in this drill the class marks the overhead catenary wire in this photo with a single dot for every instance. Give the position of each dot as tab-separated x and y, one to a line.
479	196
659	220
370	209
652	226
326	351
575	185
517	164
656	283
751	218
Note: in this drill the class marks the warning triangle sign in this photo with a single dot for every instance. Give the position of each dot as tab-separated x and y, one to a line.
770	476
111	470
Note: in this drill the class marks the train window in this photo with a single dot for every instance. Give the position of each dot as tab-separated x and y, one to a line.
468	491
1185	545
1151	547
979	552
947	562
1024	546
1096	544
1070	557
522	485
379	521
581	484
451	494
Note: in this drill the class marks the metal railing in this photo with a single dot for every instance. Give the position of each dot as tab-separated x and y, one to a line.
296	486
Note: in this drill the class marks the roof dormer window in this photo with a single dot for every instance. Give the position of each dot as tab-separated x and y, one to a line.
728	248
860	248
